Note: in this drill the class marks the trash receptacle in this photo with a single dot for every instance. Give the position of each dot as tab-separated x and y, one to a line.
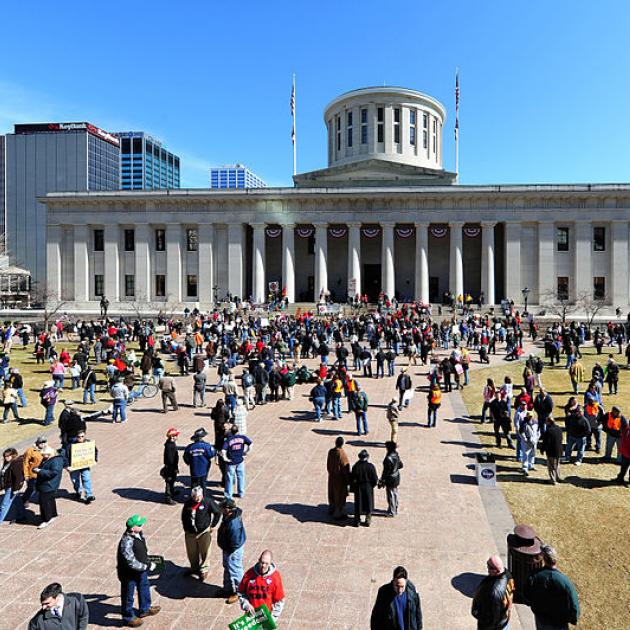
486	470
524	558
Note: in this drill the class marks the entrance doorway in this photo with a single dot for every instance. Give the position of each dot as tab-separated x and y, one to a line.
372	281
434	289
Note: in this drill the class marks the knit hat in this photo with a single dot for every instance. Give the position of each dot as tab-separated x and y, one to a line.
364	454
172	432
136	521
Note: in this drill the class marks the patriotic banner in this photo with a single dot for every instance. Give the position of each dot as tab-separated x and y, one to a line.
456	104
371	232
338	232
405	232
272	232
305	232
472	231
438	231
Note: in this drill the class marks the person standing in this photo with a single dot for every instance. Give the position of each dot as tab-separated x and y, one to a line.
89	385
360	406
249	392
120	394
81	478
390	477
171	465
397	605
200	516
364	480
240	416
318	397
434	402
624	450
529	435
262	585
578	429
198	455
199	388
392	417
492	602
552	448
12	480
612	427
168	389
132	567
17	382
501	420
49	474
231	539
338	467
403	385
48	399
10	401
59	610
32	459
552	596
235	448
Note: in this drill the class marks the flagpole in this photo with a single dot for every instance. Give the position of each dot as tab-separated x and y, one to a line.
457	125
294	137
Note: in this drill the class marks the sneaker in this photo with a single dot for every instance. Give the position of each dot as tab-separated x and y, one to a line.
43	524
525	472
577	463
233	598
90	499
134	623
154	610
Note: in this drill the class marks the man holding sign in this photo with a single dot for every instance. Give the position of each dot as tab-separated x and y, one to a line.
262	584
79	458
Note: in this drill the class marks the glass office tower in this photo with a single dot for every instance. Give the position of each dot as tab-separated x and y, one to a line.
234	176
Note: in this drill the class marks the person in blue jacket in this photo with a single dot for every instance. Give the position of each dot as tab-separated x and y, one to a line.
198	455
231	539
49	474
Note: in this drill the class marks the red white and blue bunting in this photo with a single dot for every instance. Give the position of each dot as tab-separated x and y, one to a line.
472	231
338	232
438	231
272	232
305	232
371	232
405	232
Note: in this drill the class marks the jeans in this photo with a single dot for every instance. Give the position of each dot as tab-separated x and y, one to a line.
59	380
128	588
611	442
81	480
484	410
49	415
200	396
380	370
391	366
235	471
519	447
20	393
597	434
120	407
432	416
12	407
575	442
361	418
9	498
232	570
90	391
319	404
230	403
76	381
529	456
336	402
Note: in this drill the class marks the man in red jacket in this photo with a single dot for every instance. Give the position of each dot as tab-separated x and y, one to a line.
625	453
262	584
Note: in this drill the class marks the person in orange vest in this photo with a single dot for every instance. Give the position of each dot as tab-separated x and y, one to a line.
435	400
612	426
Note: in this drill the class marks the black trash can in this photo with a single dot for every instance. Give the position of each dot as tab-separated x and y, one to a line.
524	558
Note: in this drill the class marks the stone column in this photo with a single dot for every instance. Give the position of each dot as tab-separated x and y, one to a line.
288	260
143	263
206	263
456	279
321	259
354	259
112	263
173	262
388	275
81	264
546	263
53	262
617	294
235	259
583	259
258	263
487	261
422	262
512	258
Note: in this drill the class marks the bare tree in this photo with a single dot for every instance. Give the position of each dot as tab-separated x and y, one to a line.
170	308
587	302
49	301
139	305
558	305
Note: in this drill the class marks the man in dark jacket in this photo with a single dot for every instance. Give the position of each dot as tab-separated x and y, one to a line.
364	480
578	429
390	478
171	465
49	474
198	455
403	384
543	406
199	518
552	596
11	480
552	447
397	605
133	566
501	419
231	539
492	602
60	611
70	423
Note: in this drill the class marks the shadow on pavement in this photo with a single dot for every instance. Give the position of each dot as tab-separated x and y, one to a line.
464	479
175	583
303	513
101	613
467	583
460	443
332	432
140	494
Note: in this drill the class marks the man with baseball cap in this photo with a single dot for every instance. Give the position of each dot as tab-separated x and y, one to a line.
171	465
133	568
198	455
492	602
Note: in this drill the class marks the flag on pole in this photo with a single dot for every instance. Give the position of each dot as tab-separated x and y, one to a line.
292	102
456	103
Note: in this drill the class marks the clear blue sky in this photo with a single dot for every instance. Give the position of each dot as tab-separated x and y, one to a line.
545	85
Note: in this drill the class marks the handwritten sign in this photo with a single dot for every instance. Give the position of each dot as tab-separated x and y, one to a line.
260	620
82	455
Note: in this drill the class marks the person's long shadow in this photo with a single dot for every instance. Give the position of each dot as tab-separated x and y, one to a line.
139	494
332	432
300	416
302	512
174	583
466	583
101	613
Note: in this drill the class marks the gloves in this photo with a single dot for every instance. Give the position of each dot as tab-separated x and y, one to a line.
152	566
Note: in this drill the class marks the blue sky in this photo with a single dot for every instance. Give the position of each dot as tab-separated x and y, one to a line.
545	85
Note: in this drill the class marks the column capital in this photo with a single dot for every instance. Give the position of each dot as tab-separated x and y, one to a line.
456	224
287	226
354	224
319	226
258	226
421	225
488	224
387	224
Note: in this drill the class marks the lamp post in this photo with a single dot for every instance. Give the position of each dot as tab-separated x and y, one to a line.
525	293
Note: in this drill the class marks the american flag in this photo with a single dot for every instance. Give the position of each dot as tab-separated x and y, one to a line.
456	104
292	103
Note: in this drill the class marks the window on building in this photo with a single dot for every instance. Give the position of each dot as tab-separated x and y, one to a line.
137	146
364	126
412	127
434	136
599	239
562	239
99	284
338	126
192	239
396	124
311	244
425	130
563	287
160	240
599	288
99	240
130	286
191	285
130	240
380	124
349	129
160	285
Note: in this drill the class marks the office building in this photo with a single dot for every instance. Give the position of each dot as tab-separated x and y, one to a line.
145	164
234	176
48	157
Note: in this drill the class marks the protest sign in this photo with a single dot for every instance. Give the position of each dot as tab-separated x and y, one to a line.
260	620
82	455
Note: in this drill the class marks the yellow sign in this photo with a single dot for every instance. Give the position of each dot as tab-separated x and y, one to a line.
82	455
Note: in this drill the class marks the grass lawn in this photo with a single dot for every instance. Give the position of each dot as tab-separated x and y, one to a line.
585	518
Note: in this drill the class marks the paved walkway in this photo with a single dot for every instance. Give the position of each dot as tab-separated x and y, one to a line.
331	572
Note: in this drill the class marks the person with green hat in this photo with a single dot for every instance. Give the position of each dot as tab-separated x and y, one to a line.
133	568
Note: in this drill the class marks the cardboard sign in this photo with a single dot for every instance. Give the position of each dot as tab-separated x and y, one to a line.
260	620
82	455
